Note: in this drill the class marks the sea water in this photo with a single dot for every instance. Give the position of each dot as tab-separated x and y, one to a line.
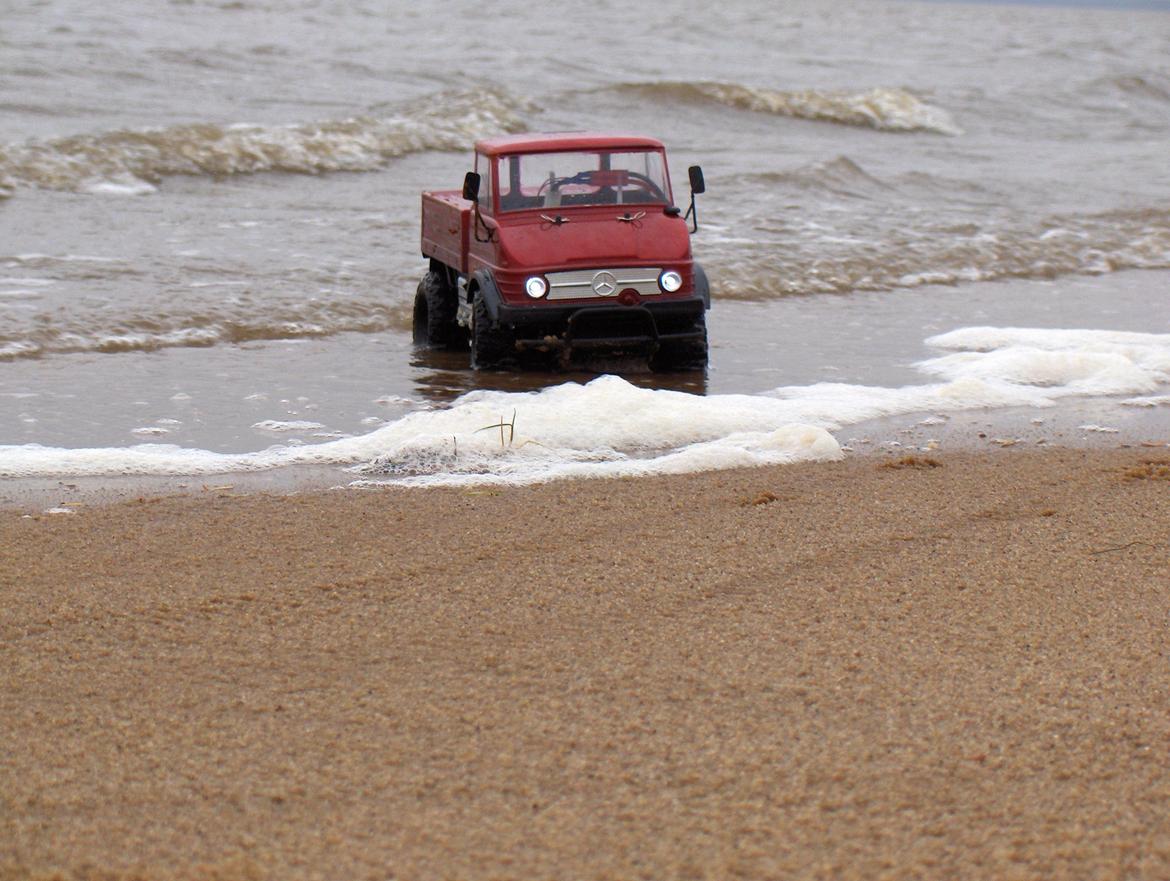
209	222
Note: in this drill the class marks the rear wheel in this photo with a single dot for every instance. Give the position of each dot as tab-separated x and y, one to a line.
435	304
684	354
492	345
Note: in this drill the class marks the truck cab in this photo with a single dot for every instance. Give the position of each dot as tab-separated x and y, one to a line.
563	243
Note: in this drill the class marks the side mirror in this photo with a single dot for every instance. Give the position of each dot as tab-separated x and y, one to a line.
696	175
697	186
471	186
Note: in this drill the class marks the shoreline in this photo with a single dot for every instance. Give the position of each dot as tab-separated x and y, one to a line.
878	342
1077	424
949	665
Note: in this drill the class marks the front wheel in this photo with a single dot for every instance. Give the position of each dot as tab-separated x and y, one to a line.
492	345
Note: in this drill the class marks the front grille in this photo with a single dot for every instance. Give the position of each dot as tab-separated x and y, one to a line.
578	284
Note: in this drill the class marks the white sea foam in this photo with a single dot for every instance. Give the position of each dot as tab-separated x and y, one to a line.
18	349
121	185
293	425
398	401
1149	402
28	282
1063	362
610	428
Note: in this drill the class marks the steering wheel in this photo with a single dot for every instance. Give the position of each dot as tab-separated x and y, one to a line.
645	183
586	178
581	177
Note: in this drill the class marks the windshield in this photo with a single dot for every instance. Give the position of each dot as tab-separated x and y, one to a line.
556	180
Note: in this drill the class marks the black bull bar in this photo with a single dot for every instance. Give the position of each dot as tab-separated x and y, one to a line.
627	328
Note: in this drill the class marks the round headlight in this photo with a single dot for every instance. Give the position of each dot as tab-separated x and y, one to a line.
670	281
536	287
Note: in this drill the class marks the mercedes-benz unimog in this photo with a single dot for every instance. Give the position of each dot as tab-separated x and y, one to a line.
564	243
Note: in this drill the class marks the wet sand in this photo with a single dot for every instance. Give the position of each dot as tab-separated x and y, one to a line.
953	666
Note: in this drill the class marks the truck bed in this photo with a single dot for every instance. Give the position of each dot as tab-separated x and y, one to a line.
446	226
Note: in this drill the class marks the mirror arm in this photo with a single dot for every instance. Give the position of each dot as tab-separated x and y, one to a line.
477	223
693	215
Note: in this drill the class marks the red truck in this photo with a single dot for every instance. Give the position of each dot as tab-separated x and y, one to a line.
564	243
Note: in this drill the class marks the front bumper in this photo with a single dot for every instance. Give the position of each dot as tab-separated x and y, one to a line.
576	326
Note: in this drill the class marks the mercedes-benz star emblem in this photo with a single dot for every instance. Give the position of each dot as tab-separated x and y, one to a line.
604	284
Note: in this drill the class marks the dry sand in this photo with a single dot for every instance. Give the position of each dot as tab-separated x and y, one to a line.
824	671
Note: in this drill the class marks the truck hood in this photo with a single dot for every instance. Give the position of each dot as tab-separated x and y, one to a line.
593	237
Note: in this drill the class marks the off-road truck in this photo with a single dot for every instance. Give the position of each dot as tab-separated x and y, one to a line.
564	243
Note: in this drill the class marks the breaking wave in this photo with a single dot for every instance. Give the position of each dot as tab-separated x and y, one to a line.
887	110
134	161
821	260
611	428
314	318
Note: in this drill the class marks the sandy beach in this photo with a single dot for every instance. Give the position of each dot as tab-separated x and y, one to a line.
937	241
946	666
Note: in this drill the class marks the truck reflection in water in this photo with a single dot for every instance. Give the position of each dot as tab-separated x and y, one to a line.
441	375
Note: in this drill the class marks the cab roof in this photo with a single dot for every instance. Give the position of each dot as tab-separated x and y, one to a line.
551	142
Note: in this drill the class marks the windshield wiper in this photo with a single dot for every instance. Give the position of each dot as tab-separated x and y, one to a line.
555	221
631	218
